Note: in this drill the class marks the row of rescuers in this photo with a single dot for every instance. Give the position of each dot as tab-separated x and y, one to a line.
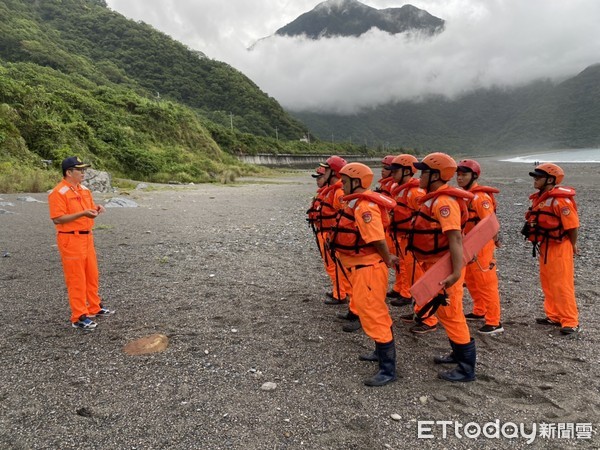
408	224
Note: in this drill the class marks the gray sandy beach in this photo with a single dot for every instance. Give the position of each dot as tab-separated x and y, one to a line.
232	276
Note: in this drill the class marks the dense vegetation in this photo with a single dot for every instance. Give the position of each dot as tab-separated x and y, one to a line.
539	115
78	78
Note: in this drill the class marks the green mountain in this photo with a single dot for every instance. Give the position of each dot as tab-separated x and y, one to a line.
353	18
539	115
76	77
79	36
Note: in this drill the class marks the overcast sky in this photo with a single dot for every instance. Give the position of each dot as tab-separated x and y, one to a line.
485	43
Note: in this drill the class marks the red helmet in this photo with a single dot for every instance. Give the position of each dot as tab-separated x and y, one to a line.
318	172
359	171
440	162
549	170
387	161
405	161
469	165
335	163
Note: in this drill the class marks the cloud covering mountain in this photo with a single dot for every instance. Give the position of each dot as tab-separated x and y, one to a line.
345	18
491	43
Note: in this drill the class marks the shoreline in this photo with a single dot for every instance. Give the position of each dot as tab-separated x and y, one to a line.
565	156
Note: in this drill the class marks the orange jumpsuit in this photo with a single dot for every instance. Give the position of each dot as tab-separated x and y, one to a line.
445	210
76	247
481	276
331	203
386	186
368	273
557	273
407	196
313	218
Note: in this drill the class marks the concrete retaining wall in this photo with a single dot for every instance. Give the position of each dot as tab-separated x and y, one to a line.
299	160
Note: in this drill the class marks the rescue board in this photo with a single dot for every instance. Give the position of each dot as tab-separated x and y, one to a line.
428	286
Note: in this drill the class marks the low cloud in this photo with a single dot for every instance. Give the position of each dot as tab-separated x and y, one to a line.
492	43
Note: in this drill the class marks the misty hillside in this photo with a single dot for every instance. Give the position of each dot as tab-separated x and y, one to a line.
538	115
352	18
85	36
78	78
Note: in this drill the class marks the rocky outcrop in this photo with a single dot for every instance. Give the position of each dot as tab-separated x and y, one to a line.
97	181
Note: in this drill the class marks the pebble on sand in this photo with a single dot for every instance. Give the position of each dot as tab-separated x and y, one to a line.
269	386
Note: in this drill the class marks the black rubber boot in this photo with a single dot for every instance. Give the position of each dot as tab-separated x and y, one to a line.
386	354
352	326
348	315
369	356
446	359
465	355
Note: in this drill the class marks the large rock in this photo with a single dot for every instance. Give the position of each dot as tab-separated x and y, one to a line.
97	181
150	344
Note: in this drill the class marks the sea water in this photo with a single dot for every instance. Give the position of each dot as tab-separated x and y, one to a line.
580	155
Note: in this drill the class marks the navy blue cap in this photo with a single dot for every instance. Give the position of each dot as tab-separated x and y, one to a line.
540	173
421	166
73	162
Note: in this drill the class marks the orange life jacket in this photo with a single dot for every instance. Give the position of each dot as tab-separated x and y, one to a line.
346	236
328	213
474	219
426	239
315	209
541	223
402	214
385	186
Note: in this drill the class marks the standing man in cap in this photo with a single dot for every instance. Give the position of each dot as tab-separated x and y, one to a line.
72	209
552	226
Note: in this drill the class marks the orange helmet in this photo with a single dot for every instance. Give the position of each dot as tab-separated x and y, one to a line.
549	170
404	161
335	163
469	165
358	171
387	161
439	162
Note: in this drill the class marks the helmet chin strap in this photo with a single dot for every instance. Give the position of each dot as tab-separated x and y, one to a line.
353	187
470	183
429	181
328	181
546	184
